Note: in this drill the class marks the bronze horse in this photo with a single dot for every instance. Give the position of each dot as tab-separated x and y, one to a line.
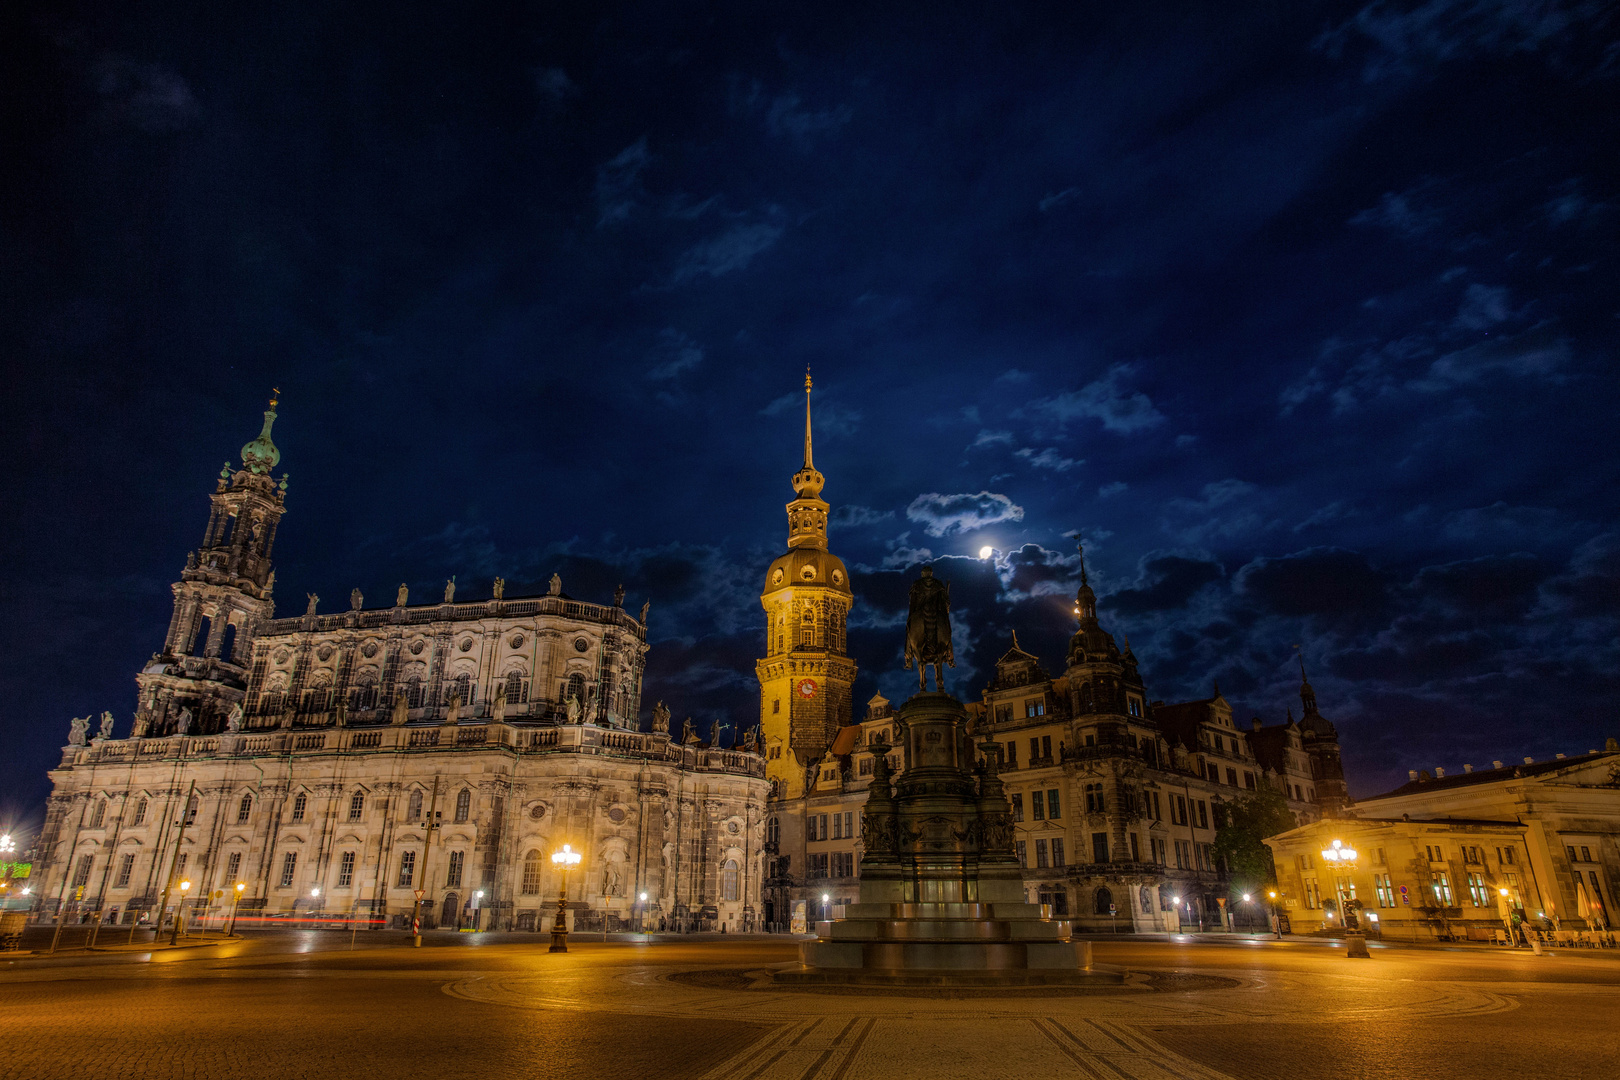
928	629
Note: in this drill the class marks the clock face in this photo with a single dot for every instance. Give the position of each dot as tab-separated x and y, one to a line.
807	688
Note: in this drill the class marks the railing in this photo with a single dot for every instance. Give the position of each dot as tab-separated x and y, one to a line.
539	739
315	740
365	740
471	736
459	612
425	738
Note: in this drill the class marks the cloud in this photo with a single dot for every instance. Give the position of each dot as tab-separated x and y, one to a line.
554	85
618	183
1013	375
1108	491
850	516
1483	306
992	438
1399	214
1332	583
947	515
1053	201
674	353
830	416
786	118
732	250
147	96
1401	40
1164	583
1120	410
1048	459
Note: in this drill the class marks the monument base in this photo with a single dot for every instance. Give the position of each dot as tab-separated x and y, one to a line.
946	944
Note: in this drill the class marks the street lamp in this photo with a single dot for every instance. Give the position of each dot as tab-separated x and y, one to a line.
643	914
562	859
1276	916
826	905
180	913
240	885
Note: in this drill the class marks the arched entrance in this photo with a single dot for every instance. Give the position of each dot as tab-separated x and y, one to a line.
451	911
1105	902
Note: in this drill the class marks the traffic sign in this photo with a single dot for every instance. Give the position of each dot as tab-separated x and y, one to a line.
421	893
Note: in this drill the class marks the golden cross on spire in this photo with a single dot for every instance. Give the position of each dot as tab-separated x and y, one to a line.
809	461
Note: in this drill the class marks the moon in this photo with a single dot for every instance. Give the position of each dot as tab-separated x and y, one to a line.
986	552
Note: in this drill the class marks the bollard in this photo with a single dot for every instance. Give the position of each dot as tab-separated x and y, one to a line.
1535	947
1358	948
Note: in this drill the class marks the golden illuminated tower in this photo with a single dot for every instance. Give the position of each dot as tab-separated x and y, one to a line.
805	677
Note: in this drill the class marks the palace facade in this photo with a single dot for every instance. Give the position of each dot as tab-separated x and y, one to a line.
1116	797
347	763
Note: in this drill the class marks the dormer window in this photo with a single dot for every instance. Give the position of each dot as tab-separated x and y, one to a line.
1133	706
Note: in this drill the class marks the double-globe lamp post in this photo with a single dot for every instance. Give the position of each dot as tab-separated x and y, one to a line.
562	859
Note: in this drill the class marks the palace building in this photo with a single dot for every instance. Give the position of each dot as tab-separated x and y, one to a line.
346	763
1116	797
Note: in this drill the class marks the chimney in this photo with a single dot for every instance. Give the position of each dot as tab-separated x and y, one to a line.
1468	768
1496	764
1411	774
1439	773
1529	761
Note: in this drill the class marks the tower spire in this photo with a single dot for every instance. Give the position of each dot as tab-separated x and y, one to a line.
809	459
261	455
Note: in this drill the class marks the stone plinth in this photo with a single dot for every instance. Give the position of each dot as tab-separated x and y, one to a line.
942	895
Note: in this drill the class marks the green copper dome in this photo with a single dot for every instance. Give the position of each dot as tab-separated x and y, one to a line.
261	455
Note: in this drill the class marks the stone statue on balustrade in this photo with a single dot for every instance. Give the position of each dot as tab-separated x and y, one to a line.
452	714
356	600
928	629
340	713
689	735
573	708
497	711
76	729
661	719
106	726
450	590
500	588
233	722
313	600
402	595
402	707
183	725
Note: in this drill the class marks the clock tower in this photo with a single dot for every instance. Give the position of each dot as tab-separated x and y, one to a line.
805	677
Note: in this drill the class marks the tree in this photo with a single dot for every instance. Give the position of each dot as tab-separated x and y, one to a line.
1248	821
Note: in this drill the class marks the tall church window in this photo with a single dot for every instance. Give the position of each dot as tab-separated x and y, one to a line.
357	806
227	643
407	869
460	687
140	812
728	880
463	804
517	691
413	693
289	868
300	804
81	875
415	812
346	870
531	873
244	809
575	688
452	877
126	868
98	812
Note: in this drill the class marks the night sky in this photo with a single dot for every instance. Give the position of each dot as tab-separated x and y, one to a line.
1304	315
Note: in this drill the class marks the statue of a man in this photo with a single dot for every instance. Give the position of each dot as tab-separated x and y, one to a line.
618	596
356	600
453	713
402	706
661	718
183	725
751	740
556	585
689	732
340	714
498	710
500	588
313	600
233	722
928	629
288	714
401	595
572	706
450	590
612	879
644	609
106	725
714	735
76	729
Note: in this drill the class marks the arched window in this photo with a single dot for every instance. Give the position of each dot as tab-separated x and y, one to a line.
98	812
227	531
227	643
728	880
140	812
300	804
531	873
1105	900
463	804
244	809
415	812
773	831
413	693
517	691
199	638
460	687
575	688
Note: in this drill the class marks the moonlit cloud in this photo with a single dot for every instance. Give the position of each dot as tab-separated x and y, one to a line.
946	515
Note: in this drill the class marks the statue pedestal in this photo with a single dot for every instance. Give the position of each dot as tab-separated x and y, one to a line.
942	895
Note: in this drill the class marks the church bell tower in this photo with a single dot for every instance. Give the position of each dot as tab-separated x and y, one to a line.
222	597
805	677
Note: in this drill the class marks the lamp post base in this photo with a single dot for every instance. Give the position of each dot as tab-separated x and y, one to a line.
559	925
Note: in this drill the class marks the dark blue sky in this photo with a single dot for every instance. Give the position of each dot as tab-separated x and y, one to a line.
1304	313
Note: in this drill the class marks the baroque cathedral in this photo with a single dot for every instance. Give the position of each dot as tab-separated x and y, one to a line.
426	758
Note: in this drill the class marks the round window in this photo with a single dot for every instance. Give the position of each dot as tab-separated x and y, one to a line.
466	644
517	641
580	644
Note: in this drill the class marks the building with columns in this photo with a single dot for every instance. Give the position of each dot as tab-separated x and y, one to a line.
341	762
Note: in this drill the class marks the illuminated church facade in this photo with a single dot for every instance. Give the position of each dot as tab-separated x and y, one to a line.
343	764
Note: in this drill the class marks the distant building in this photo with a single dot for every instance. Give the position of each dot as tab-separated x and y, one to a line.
1467	853
1117	797
344	761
